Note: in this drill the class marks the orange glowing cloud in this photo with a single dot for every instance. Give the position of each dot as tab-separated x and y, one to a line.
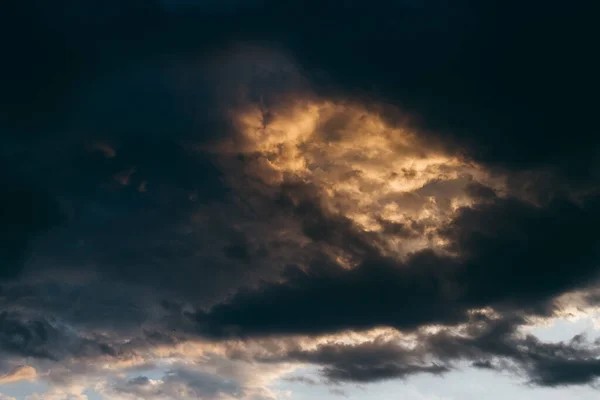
360	166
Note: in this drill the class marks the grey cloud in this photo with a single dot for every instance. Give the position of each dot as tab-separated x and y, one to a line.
179	383
486	343
367	362
302	379
338	392
27	336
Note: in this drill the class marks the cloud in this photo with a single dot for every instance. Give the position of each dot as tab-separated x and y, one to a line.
19	374
164	371
492	342
26	336
375	165
490	242
301	379
463	70
446	74
338	392
179	383
27	212
449	240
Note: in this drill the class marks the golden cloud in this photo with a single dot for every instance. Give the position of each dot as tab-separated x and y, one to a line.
381	177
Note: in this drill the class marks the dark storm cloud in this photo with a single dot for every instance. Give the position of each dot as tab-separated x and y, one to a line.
141	199
364	363
89	306
550	249
55	50
455	66
39	338
104	110
26	212
506	81
486	343
113	121
547	364
509	254
375	293
25	338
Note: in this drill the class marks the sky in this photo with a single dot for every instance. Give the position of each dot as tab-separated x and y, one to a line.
293	200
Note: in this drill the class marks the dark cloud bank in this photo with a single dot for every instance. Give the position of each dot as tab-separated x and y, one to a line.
105	112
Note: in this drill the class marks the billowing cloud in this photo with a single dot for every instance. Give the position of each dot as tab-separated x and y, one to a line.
379	176
431	288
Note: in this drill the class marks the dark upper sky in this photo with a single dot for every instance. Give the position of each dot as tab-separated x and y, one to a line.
272	178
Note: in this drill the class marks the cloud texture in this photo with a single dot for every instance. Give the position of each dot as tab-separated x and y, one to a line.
227	192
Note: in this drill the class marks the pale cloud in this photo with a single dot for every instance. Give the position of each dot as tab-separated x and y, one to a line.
234	369
178	383
206	378
21	373
191	370
60	394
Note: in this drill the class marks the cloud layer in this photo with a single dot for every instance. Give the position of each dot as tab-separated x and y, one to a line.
228	192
